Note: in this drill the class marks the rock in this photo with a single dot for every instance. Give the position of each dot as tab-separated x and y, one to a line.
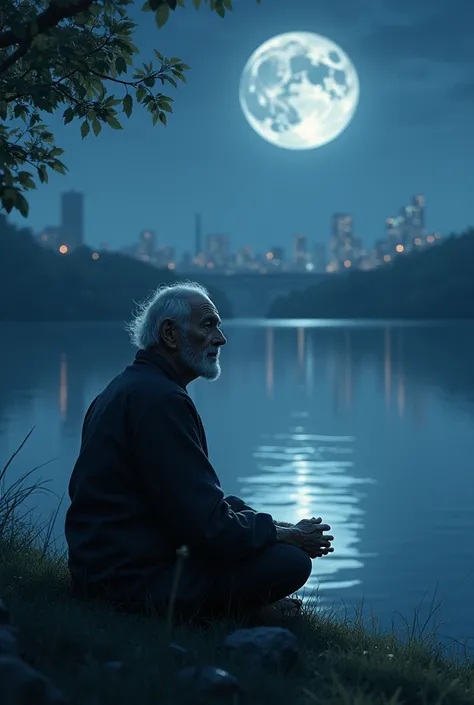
4	614
210	682
177	649
264	647
23	685
179	653
8	641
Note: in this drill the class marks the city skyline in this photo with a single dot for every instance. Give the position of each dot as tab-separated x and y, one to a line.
411	133
215	252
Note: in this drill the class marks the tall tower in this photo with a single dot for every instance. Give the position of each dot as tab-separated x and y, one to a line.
342	242
72	219
198	235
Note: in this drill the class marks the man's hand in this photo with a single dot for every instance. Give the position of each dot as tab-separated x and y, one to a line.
307	534
283	524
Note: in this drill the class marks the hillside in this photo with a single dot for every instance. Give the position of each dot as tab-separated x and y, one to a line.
41	285
436	284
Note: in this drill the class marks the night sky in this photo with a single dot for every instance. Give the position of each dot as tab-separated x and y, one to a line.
412	132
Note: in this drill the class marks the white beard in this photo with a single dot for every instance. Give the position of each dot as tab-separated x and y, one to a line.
200	363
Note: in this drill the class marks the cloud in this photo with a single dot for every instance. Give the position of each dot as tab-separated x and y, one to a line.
443	35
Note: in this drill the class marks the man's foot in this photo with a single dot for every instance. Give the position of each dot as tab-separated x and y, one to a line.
286	608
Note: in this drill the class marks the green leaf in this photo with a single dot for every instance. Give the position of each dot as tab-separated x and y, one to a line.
197	4
220	9
162	15
68	115
42	174
121	64
167	107
22	204
96	126
114	123
227	4
141	93
163	118
127	105
155	118
85	128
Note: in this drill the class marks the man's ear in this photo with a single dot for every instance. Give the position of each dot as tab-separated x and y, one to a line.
168	334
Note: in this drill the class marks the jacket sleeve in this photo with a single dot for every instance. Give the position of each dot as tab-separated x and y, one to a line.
237	504
184	489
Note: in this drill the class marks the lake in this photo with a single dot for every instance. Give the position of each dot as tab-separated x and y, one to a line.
368	425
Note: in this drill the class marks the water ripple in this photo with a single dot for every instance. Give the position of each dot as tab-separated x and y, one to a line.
299	476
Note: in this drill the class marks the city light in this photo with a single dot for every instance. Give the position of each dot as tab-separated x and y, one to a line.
309	254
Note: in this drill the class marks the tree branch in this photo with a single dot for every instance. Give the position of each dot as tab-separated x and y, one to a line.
51	17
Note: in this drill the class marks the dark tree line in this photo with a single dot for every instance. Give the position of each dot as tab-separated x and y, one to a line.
437	283
37	284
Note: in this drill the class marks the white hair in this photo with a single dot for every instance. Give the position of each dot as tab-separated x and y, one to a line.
169	301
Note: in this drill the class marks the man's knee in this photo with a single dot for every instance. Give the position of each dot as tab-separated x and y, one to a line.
294	563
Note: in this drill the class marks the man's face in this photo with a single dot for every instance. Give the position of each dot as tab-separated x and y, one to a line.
201	340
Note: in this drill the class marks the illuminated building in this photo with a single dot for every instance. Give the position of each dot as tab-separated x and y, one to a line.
245	258
146	245
198	236
300	251
165	257
344	246
72	219
217	250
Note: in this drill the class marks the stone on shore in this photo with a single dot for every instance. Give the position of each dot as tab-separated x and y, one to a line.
264	647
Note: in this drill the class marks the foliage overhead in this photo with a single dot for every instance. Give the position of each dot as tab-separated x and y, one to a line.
75	55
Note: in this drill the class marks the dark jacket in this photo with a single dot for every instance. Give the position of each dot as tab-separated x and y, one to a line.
143	486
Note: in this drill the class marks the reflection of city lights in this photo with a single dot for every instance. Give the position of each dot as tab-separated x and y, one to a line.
210	265
300	334
388	367
171	265
95	255
347	263
401	378
63	386
386	258
269	363
430	239
63	249
418	241
269	255
400	248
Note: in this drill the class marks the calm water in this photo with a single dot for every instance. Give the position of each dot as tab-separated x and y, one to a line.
370	427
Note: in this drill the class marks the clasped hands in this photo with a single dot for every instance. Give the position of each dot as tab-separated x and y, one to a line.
307	534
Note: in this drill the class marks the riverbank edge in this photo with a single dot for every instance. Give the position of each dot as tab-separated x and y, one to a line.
342	660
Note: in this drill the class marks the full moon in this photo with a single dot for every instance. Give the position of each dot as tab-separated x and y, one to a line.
299	90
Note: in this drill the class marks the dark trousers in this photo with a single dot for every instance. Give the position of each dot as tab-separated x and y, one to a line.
207	590
274	573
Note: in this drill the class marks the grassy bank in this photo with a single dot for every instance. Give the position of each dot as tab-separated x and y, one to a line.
342	661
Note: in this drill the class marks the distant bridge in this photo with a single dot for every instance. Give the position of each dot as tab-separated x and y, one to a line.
251	295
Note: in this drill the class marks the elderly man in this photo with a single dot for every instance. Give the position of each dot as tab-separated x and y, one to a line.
143	485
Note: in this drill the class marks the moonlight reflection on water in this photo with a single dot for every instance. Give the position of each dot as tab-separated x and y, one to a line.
301	474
